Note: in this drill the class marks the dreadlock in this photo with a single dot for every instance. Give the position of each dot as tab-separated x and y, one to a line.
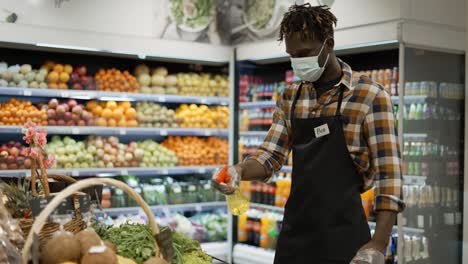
311	21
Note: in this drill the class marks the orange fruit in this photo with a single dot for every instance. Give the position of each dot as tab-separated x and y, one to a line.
122	122
53	77
63	86
132	123
97	110
107	113
130	113
101	122
111	122
91	105
117	113
64	77
111	105
68	68
53	85
125	105
58	68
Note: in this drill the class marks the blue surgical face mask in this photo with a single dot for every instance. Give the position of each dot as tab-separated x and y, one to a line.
308	68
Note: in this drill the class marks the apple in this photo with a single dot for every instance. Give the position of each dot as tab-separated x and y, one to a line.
20	160
10	159
27	163
72	103
77	109
91	122
70	123
61	122
61	110
68	116
85	81
3	166
52	122
77	86
14	151
12	166
51	114
74	77
81	123
81	70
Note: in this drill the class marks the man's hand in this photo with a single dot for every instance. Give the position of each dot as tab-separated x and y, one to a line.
376	245
230	186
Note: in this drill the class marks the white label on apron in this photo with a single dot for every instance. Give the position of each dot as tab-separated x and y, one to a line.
321	131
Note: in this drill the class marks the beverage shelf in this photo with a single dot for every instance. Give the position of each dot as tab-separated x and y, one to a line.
266	207
107	172
405	229
172	207
121	131
414	180
245	254
115	96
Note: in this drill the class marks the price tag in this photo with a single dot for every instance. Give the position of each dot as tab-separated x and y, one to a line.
75	173
124	172
204	101
27	93
165	172
163	132
64	94
39	203
207	133
202	170
27	173
198	208
162	99
122	131
75	131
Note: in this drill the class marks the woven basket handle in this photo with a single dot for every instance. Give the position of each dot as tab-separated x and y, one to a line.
70	190
34	176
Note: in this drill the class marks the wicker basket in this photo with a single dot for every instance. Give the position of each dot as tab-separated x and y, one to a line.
40	221
75	225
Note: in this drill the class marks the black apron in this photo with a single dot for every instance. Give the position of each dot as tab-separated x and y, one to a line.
324	221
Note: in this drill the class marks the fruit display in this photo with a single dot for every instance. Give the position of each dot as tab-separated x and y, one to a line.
17	112
13	156
71	153
194	116
156	81
110	153
68	113
156	155
192	151
80	80
22	76
113	114
151	114
116	81
58	74
202	84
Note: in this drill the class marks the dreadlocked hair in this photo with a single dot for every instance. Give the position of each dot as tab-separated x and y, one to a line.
315	22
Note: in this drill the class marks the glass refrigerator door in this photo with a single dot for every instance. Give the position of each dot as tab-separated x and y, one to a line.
433	136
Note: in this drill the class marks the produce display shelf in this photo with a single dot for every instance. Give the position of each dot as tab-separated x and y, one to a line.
121	131
245	254
107	172
216	249
171	207
414	180
266	207
405	229
259	104
115	96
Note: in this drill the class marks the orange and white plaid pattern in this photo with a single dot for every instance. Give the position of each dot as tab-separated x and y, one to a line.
369	128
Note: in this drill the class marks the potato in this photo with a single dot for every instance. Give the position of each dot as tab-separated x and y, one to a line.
111	246
88	238
108	257
61	248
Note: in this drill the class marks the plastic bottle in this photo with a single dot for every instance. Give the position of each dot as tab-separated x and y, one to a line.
412	112
264	225
279	191
237	202
419	112
242	229
272	233
286	191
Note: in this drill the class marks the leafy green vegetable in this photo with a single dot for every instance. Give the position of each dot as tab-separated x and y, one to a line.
134	241
260	11
188	251
192	13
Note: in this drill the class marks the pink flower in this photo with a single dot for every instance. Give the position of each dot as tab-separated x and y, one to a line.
29	135
30	125
50	161
34	152
41	138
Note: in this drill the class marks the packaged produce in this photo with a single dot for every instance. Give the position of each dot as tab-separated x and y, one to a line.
68	113
155	115
113	114
17	112
22	76
116	81
193	116
192	151
58	75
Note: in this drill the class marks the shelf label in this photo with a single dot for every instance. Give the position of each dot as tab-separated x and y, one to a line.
64	94
165	171
75	131
124	172
163	132
123	131
75	173
27	93
162	99
204	101
198	208
202	170
207	133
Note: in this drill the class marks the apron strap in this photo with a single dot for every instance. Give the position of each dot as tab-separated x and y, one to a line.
340	100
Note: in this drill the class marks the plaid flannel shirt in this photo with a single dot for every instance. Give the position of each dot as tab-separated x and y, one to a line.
369	128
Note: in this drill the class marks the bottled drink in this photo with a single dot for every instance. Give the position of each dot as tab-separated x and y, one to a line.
264	225
242	229
237	202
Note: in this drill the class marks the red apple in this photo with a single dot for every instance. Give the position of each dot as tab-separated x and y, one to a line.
4	154
71	103
14	151
3	166
81	70
11	159
18	145
51	114
81	123
52	122
77	109
53	103
74	77
61	122
20	160
77	86
27	163
91	122
85	81
70	123
68	116
61	110
12	166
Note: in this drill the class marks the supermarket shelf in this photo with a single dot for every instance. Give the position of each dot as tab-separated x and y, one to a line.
245	254
116	131
260	104
411	99
216	249
172	207
253	134
107	172
415	136
405	229
116	96
414	180
266	207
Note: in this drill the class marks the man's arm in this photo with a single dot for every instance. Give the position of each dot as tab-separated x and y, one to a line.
385	163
